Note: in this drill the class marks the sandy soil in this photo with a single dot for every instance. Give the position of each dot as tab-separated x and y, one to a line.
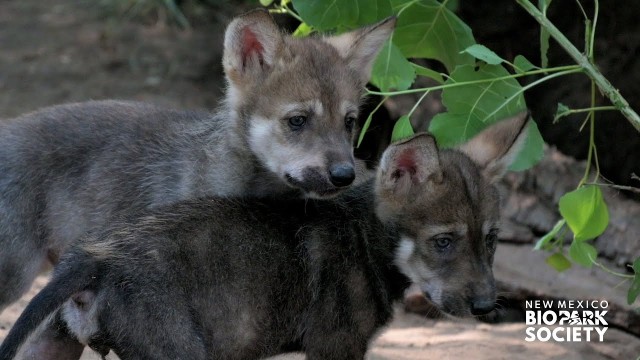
413	337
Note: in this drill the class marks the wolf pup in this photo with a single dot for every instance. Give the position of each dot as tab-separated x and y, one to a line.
287	124
243	279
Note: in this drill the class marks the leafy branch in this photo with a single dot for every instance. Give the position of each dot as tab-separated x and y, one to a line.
584	210
570	69
583	60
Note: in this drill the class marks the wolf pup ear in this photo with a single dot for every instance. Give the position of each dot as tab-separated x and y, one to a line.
251	44
360	47
410	164
495	148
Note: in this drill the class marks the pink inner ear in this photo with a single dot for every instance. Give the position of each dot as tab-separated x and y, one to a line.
250	44
406	161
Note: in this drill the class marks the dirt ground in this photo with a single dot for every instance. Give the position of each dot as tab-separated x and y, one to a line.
63	51
413	337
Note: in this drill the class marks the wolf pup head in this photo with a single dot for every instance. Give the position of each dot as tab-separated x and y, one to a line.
297	99
446	208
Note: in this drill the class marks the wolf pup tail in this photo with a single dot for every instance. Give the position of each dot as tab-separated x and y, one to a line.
69	278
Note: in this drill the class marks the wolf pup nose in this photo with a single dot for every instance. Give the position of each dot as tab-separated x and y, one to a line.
482	306
342	174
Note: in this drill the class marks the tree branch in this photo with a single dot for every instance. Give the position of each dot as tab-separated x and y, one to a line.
590	69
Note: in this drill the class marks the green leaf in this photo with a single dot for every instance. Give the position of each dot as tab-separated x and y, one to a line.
550	235
303	30
489	101
391	70
585	211
522	65
544	34
473	107
349	14
483	53
402	129
558	262
453	5
398	4
454	129
532	151
634	289
561	111
364	129
582	253
428	29
266	2
367	122
423	71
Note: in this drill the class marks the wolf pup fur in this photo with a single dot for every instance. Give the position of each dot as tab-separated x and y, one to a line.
285	125
243	279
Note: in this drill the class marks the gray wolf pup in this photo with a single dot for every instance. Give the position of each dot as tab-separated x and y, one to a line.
246	278
286	124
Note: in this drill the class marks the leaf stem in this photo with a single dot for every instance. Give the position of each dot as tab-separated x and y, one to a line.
415	106
592	134
367	123
529	86
596	12
574	68
592	138
577	111
590	69
284	9
584	13
614	186
592	114
612	272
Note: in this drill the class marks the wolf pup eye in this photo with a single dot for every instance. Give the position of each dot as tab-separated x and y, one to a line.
349	122
297	122
443	241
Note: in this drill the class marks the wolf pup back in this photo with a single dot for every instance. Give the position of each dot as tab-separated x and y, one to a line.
285	126
248	278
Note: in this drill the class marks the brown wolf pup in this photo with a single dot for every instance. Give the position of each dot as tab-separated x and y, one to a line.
286	125
246	278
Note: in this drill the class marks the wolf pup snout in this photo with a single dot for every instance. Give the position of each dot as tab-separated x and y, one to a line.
482	306
483	298
342	174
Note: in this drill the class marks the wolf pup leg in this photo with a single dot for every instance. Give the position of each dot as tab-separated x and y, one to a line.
20	259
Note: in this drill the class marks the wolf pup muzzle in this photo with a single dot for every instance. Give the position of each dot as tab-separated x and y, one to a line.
342	174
